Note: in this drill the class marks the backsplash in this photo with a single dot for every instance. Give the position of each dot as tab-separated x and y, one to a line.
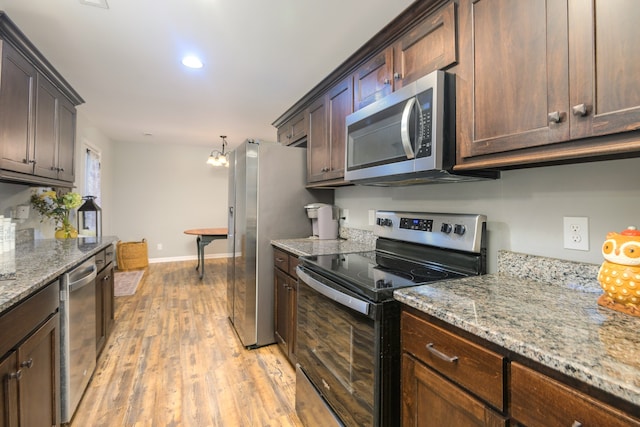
576	275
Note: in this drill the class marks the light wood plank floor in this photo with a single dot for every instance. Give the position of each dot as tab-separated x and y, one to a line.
174	360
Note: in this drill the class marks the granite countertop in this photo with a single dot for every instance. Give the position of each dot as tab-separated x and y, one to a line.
545	310
38	262
311	246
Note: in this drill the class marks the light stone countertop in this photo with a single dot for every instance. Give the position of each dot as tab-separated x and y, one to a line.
310	246
545	310
38	262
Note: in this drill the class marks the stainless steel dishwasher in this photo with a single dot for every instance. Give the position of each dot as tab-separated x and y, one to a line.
77	334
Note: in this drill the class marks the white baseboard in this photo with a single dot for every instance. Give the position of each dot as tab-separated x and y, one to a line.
186	258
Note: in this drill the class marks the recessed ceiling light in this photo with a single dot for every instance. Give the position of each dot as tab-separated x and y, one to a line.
97	3
192	62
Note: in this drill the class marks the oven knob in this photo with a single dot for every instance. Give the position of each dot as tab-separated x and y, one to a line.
459	229
446	228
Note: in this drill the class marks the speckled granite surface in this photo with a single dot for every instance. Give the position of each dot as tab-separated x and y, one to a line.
309	246
38	262
546	310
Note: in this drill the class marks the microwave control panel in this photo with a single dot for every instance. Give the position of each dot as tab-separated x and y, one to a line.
425	123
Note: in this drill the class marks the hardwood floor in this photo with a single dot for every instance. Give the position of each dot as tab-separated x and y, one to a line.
173	359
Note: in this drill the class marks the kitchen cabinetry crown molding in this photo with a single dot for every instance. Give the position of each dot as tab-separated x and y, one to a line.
403	23
12	34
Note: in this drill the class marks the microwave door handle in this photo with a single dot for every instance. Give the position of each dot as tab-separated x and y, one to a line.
404	129
339	297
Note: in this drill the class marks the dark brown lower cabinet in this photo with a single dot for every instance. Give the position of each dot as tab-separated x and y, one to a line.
537	400
104	307
30	367
431	400
286	299
450	380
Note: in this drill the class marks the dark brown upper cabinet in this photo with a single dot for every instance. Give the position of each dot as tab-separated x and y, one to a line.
535	74
37	114
428	46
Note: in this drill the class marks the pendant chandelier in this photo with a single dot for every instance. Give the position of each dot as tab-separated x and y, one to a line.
219	158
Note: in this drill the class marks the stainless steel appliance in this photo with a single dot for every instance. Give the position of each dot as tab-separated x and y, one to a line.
266	199
348	328
408	137
77	334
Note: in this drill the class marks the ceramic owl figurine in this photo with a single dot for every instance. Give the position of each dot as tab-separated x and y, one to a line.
619	274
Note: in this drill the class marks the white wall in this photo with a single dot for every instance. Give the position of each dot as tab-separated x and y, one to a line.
525	208
162	190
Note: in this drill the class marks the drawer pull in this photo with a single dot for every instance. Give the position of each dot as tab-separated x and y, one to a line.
576	424
440	354
279	260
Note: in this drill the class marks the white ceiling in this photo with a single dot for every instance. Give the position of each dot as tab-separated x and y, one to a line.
260	56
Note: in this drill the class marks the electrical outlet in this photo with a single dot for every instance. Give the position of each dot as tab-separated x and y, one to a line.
159	246
345	215
576	233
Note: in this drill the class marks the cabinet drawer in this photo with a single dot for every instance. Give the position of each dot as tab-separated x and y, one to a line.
19	321
537	400
477	369
281	259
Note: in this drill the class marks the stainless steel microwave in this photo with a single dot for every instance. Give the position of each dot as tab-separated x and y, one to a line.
407	137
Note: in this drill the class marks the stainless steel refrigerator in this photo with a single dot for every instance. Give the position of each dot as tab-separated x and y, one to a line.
267	196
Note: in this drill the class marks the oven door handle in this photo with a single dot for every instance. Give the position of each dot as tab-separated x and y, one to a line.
341	298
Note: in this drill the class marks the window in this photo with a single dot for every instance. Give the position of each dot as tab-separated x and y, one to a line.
91	183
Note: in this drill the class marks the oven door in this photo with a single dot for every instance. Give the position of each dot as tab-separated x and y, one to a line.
346	348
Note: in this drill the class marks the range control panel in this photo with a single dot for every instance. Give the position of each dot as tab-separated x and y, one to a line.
452	231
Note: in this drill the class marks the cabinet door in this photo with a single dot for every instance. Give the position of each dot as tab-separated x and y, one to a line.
108	297
17	85
519	92
373	80
282	309
430	400
38	387
9	390
431	45
66	140
317	142
101	303
340	105
604	66
46	136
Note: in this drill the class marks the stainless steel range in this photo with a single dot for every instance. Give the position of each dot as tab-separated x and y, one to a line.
348	327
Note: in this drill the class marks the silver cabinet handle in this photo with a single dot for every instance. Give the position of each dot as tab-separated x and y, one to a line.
579	110
27	363
397	76
15	375
441	355
576	424
555	117
387	82
404	129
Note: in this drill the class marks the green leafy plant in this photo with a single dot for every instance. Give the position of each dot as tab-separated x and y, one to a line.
57	207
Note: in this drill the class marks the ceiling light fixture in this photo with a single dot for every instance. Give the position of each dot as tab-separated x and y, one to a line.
97	3
219	158
192	62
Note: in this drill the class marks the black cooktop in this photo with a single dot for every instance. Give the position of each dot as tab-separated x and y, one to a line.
375	275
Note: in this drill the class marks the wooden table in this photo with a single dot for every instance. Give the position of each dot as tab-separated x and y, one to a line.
205	236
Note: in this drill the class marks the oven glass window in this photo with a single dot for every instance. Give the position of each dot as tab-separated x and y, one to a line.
336	349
